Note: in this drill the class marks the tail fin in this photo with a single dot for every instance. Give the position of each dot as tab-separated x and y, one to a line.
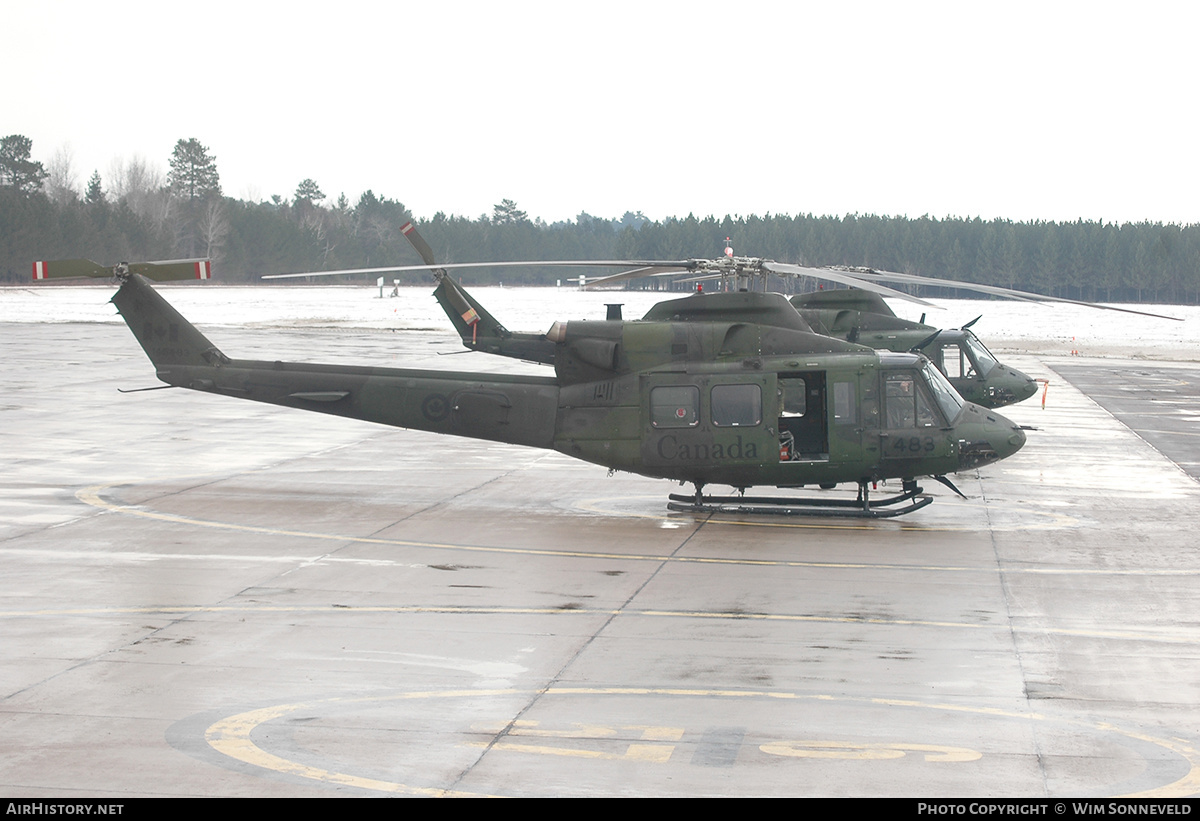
478	329
471	320
166	337
162	271
469	317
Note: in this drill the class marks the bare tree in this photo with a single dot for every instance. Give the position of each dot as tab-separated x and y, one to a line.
213	227
139	185
62	182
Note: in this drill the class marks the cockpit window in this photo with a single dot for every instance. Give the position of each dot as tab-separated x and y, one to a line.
943	392
984	361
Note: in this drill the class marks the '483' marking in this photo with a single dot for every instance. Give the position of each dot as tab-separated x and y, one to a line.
913	444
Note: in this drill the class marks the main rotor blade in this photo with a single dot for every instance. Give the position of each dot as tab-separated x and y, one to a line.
574	263
920	346
838	275
1011	293
636	273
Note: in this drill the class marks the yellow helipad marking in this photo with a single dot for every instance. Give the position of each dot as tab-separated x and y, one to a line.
861	752
657	753
232	736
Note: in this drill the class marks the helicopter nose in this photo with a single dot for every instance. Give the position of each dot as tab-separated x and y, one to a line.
1023	386
1010	386
990	439
1010	439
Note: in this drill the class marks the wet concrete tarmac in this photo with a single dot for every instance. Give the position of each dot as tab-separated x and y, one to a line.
208	597
1161	402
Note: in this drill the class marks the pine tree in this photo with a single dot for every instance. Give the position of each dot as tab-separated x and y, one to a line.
193	173
506	212
94	194
194	180
16	169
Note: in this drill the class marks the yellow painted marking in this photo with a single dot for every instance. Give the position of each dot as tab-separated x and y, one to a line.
564	752
663	733
532	728
870	751
1188	785
231	736
651	753
831	749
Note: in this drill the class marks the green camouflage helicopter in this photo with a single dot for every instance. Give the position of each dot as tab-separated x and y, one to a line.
716	389
863	317
857	314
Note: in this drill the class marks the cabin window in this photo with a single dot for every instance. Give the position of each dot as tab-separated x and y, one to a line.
845	403
675	407
736	405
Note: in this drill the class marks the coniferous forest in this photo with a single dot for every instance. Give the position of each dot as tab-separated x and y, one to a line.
138	214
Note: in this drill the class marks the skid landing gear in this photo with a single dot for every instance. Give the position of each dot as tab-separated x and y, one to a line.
861	508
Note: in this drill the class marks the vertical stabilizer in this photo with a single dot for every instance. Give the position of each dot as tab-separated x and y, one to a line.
166	337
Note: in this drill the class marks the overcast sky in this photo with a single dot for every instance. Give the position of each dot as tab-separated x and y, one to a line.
1040	110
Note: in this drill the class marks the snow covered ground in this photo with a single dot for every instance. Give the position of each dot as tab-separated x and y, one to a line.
1043	329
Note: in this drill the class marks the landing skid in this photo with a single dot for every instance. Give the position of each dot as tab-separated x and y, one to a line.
861	508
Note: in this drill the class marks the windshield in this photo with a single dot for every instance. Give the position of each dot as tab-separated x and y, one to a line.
943	392
984	361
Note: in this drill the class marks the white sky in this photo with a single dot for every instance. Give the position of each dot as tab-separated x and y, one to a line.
1023	110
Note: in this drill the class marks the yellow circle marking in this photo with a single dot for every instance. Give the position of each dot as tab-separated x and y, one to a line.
232	736
860	752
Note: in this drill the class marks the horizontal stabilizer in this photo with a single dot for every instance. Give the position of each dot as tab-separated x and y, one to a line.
161	271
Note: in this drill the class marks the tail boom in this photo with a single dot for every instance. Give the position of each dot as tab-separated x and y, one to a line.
519	410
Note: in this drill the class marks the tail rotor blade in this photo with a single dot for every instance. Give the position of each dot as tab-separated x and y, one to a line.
159	271
410	231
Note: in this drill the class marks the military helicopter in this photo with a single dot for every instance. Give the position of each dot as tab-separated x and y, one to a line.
715	389
857	314
863	317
